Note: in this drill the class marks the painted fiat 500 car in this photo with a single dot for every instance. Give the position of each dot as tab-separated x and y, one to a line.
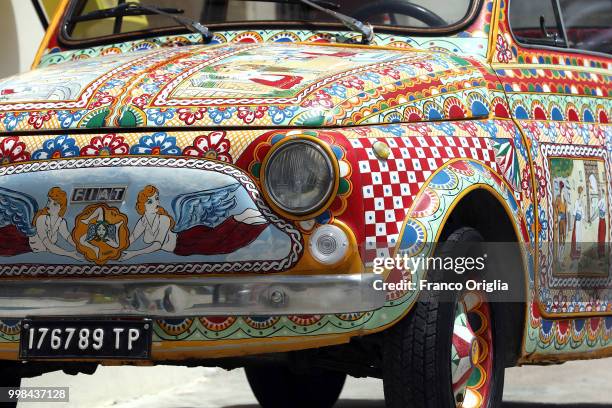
222	183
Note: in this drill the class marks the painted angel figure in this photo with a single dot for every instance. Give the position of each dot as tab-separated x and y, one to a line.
24	228
204	226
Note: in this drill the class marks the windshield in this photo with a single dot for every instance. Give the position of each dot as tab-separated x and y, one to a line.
417	14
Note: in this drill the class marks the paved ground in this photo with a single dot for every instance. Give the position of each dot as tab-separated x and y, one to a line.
585	384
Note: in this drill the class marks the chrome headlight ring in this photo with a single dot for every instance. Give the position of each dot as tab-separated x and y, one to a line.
300	177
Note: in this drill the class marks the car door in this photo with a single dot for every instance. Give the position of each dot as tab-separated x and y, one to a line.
552	58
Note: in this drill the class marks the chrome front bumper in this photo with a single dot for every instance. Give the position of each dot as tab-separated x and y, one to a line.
239	296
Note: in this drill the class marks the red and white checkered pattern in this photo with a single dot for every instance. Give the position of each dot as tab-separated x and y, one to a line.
389	186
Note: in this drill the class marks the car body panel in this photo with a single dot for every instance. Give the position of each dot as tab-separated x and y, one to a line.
468	154
212	222
400	203
561	101
241	85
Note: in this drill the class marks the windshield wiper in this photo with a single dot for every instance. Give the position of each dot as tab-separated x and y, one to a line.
135	9
365	29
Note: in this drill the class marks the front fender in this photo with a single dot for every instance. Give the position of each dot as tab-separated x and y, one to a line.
428	215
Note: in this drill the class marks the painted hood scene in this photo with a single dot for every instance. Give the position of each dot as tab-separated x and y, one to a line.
242	85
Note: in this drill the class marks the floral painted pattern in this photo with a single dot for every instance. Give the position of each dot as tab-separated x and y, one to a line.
189	115
156	144
38	118
280	114
212	146
248	114
368	94
13	150
67	118
107	145
161	116
12	119
59	147
218	115
504	53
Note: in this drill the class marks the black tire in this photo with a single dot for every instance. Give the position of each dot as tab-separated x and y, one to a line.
9	377
417	350
279	387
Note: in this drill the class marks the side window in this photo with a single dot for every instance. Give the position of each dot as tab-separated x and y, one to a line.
588	24
536	22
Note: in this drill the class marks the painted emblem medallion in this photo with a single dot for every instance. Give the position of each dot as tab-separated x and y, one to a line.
101	233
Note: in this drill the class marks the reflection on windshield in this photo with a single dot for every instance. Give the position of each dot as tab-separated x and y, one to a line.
391	13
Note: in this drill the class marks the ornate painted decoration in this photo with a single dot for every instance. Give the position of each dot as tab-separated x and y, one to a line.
471	110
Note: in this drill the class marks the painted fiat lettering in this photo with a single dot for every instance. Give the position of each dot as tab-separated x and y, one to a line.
96	194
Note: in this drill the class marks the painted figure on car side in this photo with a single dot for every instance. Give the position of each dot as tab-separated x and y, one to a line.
154	226
601	225
24	228
560	207
577	212
204	225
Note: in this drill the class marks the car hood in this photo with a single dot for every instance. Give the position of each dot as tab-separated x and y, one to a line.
243	85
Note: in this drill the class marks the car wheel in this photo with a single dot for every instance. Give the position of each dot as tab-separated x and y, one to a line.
279	387
446	352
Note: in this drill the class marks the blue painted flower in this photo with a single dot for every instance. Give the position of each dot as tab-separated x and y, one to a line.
529	217
218	115
407	69
160	116
445	127
156	144
174	69
150	88
543	230
392	117
394	129
67	118
488	127
544	293
583	131
280	115
440	60
518	143
549	131
112	84
337	90
61	146
12	119
371	76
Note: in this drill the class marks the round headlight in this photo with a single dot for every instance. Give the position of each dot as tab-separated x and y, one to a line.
299	177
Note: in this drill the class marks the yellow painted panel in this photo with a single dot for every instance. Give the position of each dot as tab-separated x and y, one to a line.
50	7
